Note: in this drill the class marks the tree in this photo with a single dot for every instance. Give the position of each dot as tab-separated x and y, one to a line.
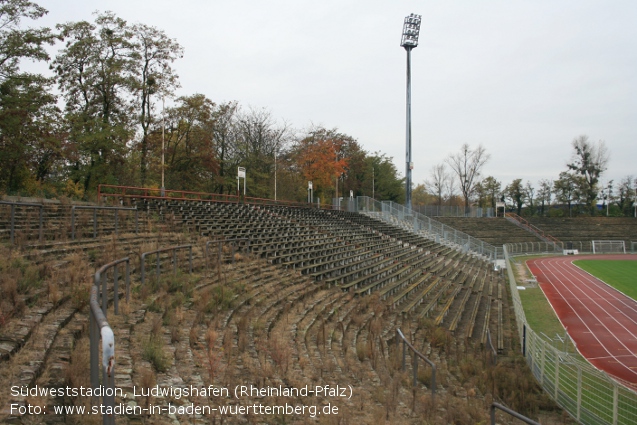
389	185
420	196
356	170
491	189
258	138
516	193
467	165
566	189
17	43
29	142
30	138
94	74
224	140
626	195
544	194
190	159
439	181
589	160
529	194
320	159
152	54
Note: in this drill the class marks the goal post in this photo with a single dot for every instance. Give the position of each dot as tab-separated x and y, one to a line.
609	247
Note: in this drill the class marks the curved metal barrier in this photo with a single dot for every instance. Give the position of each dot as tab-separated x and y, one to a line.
99	329
158	266
407	344
510	412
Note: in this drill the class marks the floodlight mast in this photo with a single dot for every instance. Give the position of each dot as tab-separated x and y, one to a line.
411	30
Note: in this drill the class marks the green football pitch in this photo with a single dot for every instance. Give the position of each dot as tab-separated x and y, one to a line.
620	274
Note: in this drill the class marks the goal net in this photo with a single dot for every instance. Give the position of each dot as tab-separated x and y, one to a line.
607	247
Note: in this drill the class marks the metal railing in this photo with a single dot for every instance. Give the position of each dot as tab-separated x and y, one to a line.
12	219
586	393
100	329
510	412
174	250
95	208
426	227
524	223
219	243
128	192
407	344
523	248
491	348
454	211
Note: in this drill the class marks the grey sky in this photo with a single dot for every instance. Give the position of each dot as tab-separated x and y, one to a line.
522	78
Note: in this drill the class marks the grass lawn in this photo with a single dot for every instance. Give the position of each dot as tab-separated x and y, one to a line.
538	311
620	274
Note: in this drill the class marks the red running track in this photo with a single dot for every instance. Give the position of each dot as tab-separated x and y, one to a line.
601	321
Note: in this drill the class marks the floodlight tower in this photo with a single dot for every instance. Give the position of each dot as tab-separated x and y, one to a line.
411	30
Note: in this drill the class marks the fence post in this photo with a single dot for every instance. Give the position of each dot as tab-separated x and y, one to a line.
142	266
190	258
157	269
95	223
41	237
12	224
115	291
615	403
116	222
136	220
415	370
73	222
127	281
557	377
404	353
579	393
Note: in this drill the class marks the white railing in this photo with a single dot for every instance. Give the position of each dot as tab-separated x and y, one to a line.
399	216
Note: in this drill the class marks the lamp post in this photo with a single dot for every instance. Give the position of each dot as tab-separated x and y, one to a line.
411	30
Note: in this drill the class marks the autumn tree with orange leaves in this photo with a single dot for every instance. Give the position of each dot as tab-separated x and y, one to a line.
320	158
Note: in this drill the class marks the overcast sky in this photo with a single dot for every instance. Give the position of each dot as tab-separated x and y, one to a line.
522	78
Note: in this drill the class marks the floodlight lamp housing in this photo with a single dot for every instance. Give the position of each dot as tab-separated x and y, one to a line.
411	30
